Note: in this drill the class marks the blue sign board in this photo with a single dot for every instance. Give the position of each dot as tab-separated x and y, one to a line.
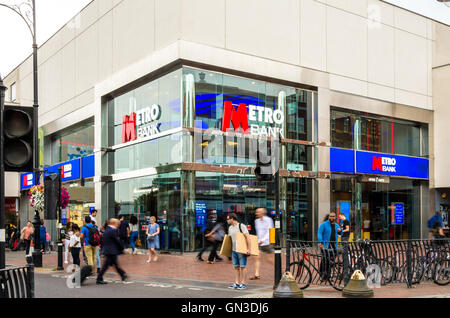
200	214
26	180
343	160
399	213
70	170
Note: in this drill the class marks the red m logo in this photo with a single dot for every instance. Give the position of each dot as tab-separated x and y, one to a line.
377	164
129	128
239	117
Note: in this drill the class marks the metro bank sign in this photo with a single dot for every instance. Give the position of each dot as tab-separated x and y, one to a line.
240	119
141	124
365	162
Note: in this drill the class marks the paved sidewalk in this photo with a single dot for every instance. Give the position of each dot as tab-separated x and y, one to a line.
185	269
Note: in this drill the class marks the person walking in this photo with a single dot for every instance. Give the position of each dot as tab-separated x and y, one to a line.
327	235
153	231
124	230
239	260
26	236
216	238
75	244
90	250
43	237
112	248
66	242
345	228
263	224
134	232
206	243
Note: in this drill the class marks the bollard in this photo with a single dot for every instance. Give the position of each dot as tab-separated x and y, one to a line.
357	287
288	288
60	257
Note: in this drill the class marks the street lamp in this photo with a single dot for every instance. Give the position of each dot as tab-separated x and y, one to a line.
27	11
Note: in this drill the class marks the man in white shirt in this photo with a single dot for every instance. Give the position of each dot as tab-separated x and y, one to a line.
263	224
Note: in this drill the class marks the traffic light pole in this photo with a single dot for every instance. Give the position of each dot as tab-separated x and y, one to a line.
2	180
277	230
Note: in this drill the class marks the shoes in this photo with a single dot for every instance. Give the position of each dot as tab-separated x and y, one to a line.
234	286
101	282
218	259
200	259
148	261
242	286
209	262
255	277
124	277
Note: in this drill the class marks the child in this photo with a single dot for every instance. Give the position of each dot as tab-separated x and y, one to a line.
75	244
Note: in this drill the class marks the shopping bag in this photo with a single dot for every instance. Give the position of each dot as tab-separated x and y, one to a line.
241	244
227	246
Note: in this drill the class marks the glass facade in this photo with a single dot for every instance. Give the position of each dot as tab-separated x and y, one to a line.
181	197
73	143
375	133
386	209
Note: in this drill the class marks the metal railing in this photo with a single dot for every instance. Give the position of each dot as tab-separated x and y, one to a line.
17	282
382	262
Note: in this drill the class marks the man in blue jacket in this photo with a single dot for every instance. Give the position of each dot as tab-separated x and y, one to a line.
328	238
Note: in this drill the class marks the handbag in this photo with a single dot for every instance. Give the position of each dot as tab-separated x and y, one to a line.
138	243
151	238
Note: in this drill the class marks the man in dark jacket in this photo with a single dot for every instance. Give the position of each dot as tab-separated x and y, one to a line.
111	248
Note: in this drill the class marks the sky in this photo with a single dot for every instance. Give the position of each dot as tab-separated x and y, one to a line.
16	41
15	37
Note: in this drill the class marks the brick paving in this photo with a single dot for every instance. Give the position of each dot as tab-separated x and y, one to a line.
184	268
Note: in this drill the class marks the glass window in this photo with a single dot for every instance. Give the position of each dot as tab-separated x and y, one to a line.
157	196
376	133
75	143
13	92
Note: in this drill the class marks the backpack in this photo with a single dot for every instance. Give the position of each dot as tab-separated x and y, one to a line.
94	236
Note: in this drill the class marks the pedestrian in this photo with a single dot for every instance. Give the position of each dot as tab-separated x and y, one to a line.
153	231
124	230
239	260
216	238
75	244
43	237
26	236
134	233
112	248
90	250
263	224
206	243
94	217
437	233
327	236
437	217
66	241
345	228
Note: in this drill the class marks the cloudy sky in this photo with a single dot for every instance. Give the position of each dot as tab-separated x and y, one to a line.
15	38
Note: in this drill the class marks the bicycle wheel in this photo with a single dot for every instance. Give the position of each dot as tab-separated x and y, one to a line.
417	273
302	274
338	278
387	272
441	273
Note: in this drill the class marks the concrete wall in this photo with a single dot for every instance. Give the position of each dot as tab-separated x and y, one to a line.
367	47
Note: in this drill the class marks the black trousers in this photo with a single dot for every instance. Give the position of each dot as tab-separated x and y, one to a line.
110	260
27	246
213	254
75	251
206	245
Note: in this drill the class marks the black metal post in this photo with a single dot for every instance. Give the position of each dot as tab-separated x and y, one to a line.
2	180
59	243
277	275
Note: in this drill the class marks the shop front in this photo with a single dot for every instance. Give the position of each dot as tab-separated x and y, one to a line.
382	194
182	148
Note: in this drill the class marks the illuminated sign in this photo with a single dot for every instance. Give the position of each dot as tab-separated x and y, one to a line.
385	164
240	119
141	124
27	180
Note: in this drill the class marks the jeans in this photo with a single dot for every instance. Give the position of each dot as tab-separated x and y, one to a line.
133	239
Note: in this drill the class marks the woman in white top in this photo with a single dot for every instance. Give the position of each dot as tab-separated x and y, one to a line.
134	232
66	241
75	244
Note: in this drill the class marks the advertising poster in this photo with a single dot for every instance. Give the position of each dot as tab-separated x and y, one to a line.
200	214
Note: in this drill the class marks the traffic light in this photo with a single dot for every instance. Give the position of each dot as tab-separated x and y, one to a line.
263	170
51	196
18	138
